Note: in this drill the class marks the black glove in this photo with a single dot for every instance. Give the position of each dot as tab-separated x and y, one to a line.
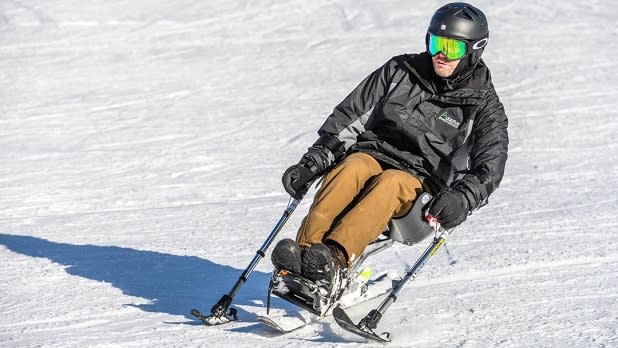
320	157
450	207
297	178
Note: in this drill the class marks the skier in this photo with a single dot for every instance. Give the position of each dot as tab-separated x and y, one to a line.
421	122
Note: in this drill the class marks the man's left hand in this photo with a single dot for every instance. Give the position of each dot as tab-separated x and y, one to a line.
450	207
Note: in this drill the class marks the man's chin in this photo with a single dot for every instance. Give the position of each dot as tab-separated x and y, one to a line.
441	73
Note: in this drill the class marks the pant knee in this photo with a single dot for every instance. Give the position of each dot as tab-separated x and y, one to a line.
402	182
362	164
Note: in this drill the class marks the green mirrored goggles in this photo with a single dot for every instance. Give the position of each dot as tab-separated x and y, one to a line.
453	49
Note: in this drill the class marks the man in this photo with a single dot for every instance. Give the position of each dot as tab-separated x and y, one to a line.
422	122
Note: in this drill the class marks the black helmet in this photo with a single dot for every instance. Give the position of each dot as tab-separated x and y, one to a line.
459	20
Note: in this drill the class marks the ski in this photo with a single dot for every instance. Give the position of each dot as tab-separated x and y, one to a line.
287	328
286	324
277	326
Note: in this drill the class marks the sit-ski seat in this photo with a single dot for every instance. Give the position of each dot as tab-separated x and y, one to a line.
411	228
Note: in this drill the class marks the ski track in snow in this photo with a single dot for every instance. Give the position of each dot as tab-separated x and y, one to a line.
142	145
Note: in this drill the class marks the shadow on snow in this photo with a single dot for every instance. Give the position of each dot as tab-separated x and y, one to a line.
173	283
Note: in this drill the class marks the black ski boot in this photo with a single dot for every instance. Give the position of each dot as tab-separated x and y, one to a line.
286	256
322	262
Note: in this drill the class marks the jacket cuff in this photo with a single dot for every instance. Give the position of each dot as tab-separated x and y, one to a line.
333	144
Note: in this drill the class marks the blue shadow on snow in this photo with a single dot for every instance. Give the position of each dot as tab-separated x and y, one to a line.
174	284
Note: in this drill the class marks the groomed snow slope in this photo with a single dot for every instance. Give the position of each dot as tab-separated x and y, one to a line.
142	144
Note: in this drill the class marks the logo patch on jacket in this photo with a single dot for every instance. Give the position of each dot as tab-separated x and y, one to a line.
444	117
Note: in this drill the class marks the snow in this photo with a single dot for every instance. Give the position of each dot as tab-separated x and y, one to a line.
142	145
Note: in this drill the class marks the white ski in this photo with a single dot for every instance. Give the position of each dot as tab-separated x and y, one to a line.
286	322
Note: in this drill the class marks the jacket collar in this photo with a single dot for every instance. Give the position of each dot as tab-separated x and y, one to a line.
470	89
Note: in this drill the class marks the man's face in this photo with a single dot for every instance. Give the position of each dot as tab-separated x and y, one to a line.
442	66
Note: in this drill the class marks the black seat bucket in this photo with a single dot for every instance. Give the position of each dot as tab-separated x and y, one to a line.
411	228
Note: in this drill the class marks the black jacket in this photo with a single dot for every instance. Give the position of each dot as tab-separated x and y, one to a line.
408	118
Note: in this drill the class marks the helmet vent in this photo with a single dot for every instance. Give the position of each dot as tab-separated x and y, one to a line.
473	11
466	13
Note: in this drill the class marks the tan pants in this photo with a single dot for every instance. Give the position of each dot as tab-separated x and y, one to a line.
355	202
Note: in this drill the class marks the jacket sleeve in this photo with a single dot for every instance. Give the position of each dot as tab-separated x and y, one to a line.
488	154
349	117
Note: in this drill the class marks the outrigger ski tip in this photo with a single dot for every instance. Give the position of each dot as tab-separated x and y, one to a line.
213	319
344	321
221	313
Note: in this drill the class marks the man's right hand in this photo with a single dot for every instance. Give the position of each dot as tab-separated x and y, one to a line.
315	162
296	180
318	159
